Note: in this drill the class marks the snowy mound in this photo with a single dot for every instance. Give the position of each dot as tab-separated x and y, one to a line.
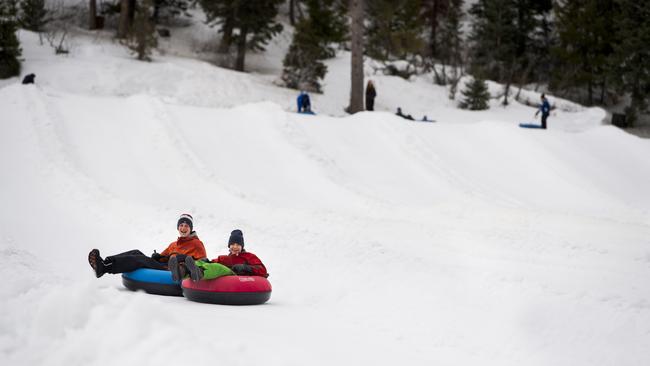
467	241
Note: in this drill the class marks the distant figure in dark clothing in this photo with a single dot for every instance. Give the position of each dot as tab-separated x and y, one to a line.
545	108
29	79
371	93
399	113
304	104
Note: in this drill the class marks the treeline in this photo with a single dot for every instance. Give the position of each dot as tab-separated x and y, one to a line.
595	52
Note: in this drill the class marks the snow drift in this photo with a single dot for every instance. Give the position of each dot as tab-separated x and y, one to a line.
462	242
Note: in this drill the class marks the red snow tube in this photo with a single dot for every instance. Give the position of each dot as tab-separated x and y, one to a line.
229	290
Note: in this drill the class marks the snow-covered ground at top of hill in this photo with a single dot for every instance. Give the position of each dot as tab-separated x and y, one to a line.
467	241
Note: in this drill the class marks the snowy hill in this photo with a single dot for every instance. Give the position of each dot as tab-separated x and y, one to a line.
467	241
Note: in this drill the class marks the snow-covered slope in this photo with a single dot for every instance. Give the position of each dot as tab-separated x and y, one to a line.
462	242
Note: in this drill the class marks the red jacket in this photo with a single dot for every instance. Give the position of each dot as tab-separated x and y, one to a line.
243	258
189	245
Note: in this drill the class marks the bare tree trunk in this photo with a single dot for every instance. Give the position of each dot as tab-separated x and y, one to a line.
434	28
510	77
444	73
524	78
131	12
356	30
631	112
241	50
226	40
438	9
506	91
292	15
92	14
453	85
123	27
436	77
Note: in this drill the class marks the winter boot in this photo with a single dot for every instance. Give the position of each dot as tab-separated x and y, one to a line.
177	269
96	262
196	272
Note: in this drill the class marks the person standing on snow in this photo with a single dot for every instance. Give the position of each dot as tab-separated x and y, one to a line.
545	108
371	93
186	246
238	261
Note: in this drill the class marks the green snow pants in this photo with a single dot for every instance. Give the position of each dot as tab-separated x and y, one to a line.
214	270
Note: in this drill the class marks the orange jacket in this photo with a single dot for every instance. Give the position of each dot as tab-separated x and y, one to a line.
190	245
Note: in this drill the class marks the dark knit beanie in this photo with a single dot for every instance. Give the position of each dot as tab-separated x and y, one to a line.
186	218
236	236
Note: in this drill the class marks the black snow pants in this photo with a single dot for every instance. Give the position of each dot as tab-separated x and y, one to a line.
544	117
370	103
130	261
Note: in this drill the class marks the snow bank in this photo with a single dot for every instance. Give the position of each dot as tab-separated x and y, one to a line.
465	241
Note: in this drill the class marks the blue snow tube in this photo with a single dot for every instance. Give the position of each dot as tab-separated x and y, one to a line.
529	125
152	281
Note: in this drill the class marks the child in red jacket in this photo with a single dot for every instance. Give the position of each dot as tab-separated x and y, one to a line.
237	262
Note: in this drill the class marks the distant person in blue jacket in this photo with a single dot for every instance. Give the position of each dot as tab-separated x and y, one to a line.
304	104
545	108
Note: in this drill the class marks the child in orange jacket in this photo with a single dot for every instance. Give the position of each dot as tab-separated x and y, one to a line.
188	245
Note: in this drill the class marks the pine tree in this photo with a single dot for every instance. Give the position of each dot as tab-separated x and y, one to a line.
433	14
254	22
32	15
493	40
531	43
544	38
92	14
170	8
394	30
447	47
450	34
142	36
303	63
303	66
492	37
502	39
476	95
9	45
630	69
585	32
125	23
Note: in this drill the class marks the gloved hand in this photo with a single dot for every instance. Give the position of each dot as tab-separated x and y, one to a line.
156	256
242	269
